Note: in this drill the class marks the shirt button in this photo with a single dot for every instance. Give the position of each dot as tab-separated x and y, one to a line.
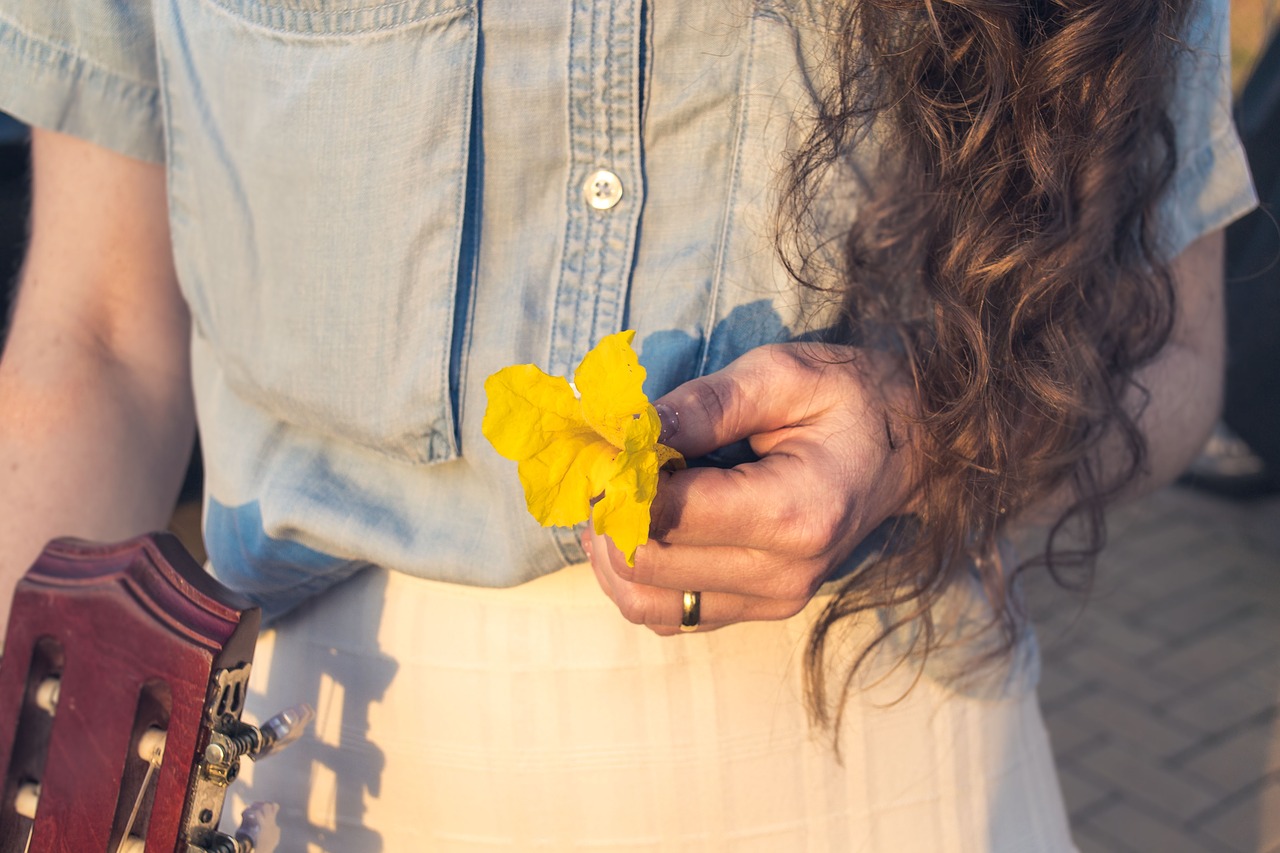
603	189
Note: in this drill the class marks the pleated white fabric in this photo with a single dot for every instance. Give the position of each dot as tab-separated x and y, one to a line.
456	718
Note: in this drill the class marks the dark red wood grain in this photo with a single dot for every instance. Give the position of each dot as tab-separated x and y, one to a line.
126	616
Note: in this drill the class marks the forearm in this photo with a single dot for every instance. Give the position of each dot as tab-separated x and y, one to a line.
96	418
1186	381
1177	397
88	449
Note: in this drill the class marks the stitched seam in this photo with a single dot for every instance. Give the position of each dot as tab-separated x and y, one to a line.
731	198
277	22
75	64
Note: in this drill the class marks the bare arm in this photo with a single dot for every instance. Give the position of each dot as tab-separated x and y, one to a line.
1186	379
1184	383
96	418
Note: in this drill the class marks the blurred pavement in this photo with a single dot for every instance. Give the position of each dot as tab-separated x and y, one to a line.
1162	695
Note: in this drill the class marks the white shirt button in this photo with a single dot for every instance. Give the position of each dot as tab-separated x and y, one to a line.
603	189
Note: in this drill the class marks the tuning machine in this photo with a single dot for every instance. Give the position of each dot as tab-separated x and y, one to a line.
229	739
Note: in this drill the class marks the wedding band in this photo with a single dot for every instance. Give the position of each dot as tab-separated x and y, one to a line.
691	612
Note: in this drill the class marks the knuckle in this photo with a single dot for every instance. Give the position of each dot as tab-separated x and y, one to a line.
715	397
825	526
796	585
788	359
624	571
791	607
629	606
784	514
632	612
635	608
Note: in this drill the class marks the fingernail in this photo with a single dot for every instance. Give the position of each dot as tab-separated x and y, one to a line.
670	420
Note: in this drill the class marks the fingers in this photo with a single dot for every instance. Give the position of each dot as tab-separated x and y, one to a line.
766	389
740	571
780	503
662	610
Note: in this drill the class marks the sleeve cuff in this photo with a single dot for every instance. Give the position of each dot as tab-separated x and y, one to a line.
47	87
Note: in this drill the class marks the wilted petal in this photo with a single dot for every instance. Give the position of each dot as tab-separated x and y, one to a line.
611	382
571	450
527	410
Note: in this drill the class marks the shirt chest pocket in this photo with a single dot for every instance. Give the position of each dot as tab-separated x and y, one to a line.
317	155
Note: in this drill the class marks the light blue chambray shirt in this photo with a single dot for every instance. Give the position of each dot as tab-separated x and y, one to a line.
377	203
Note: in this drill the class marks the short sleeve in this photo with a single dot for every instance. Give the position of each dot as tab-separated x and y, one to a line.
86	68
1212	186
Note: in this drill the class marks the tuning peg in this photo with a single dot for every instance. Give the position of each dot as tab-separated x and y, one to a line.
258	827
47	694
227	746
284	728
258	833
27	799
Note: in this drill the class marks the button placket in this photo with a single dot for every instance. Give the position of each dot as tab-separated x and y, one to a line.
605	150
605	192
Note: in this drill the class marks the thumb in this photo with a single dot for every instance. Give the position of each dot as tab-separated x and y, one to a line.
766	389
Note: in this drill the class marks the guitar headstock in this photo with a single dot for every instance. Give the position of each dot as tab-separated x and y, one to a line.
122	664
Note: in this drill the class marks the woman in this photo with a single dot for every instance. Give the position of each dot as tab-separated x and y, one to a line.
1002	215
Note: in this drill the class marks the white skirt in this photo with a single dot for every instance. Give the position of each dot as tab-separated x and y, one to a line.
454	718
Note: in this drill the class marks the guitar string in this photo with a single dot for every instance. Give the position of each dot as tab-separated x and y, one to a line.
142	791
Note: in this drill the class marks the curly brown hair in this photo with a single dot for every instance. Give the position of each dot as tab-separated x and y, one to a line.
1008	250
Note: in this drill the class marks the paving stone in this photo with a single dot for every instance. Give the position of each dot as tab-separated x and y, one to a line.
1147	779
1133	827
1257	524
1163	698
1083	794
1168	605
1058	681
1245	758
1212	655
1246	561
1251	823
1097	628
1133	725
1183	554
1128	604
1222	705
1264	674
1142	684
1263	628
1089	840
1198	610
1126	640
1072	736
1058	633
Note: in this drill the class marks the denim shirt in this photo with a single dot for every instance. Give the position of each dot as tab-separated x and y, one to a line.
375	204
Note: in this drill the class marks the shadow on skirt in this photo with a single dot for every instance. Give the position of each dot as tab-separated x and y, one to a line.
453	718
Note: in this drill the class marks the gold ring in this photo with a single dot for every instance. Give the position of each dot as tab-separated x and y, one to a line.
691	611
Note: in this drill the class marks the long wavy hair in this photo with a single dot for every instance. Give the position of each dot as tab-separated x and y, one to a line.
1007	249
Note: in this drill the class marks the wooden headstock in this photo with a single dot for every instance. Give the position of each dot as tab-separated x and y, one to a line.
114	652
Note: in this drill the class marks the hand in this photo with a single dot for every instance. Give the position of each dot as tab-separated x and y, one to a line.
758	540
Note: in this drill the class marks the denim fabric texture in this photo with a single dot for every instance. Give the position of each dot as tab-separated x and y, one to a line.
375	205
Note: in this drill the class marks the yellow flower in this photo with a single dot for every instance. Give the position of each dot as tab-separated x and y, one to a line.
571	449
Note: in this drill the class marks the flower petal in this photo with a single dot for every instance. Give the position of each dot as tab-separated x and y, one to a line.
623	513
560	481
527	410
571	449
611	382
